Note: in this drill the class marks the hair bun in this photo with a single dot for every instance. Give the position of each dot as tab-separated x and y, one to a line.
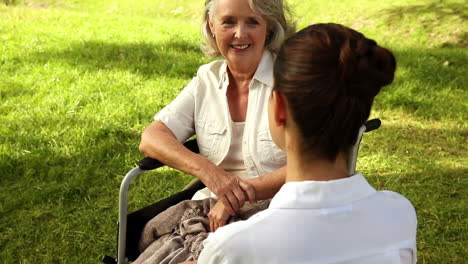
365	67
331	73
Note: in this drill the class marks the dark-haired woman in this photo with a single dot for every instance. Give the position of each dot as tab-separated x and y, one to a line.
326	78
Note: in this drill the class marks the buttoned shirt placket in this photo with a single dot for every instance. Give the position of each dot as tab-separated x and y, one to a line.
224	84
252	170
251	167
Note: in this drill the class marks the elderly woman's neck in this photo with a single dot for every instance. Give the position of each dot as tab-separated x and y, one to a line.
242	73
303	166
239	83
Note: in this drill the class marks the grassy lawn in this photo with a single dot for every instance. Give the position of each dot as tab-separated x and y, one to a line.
80	80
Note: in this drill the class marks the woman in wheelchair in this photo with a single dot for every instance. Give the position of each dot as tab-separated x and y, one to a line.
225	106
326	78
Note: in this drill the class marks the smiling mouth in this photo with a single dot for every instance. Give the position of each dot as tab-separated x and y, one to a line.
241	47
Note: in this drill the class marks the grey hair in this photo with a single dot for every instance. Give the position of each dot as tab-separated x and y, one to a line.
276	13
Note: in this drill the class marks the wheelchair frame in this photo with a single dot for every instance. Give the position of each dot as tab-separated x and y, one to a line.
131	225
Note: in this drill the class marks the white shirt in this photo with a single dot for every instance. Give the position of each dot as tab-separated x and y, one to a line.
234	160
340	221
202	109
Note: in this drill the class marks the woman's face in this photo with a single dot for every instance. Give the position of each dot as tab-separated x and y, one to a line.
240	32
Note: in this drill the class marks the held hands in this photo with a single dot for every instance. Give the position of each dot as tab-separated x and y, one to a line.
219	214
231	191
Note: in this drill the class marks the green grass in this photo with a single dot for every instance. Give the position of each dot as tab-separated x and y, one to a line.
80	80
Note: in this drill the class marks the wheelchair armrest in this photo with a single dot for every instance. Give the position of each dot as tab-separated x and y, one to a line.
144	165
372	124
148	163
151	164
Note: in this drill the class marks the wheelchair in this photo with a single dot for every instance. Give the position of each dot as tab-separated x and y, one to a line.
130	226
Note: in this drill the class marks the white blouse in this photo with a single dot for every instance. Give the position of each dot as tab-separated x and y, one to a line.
340	221
232	163
202	109
234	160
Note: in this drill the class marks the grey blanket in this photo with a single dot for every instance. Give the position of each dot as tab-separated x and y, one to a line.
176	235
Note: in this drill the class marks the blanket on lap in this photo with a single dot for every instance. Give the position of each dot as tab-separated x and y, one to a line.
176	235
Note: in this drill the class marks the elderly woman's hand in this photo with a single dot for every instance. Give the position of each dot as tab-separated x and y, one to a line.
218	216
231	190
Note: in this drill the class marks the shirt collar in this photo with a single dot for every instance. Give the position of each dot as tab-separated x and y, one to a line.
322	194
264	73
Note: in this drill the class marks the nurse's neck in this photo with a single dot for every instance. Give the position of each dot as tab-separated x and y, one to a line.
304	166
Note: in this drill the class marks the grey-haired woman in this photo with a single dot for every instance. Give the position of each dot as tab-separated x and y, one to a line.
225	106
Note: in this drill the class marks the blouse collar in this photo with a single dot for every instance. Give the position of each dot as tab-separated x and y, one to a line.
263	74
322	194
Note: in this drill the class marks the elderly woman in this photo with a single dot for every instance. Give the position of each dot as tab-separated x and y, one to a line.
326	78
225	106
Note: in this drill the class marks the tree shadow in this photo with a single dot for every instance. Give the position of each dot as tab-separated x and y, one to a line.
9	89
411	141
50	158
430	83
441	9
430	16
417	155
172	58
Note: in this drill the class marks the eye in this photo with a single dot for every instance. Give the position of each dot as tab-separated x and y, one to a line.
228	21
252	21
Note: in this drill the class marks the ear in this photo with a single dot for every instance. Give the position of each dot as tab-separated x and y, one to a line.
211	25
280	111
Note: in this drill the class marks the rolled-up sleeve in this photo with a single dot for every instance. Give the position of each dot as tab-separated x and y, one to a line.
178	116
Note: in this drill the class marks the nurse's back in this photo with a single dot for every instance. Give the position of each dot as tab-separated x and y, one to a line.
326	78
378	228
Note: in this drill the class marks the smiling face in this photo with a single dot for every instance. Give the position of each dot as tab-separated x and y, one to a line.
240	33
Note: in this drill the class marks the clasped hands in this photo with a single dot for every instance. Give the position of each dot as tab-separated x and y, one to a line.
232	193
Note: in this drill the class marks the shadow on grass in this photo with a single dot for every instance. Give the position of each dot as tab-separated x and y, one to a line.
440	9
430	16
73	153
11	2
422	147
420	156
9	89
173	59
430	83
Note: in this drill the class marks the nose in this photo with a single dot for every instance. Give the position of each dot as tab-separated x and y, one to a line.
241	31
